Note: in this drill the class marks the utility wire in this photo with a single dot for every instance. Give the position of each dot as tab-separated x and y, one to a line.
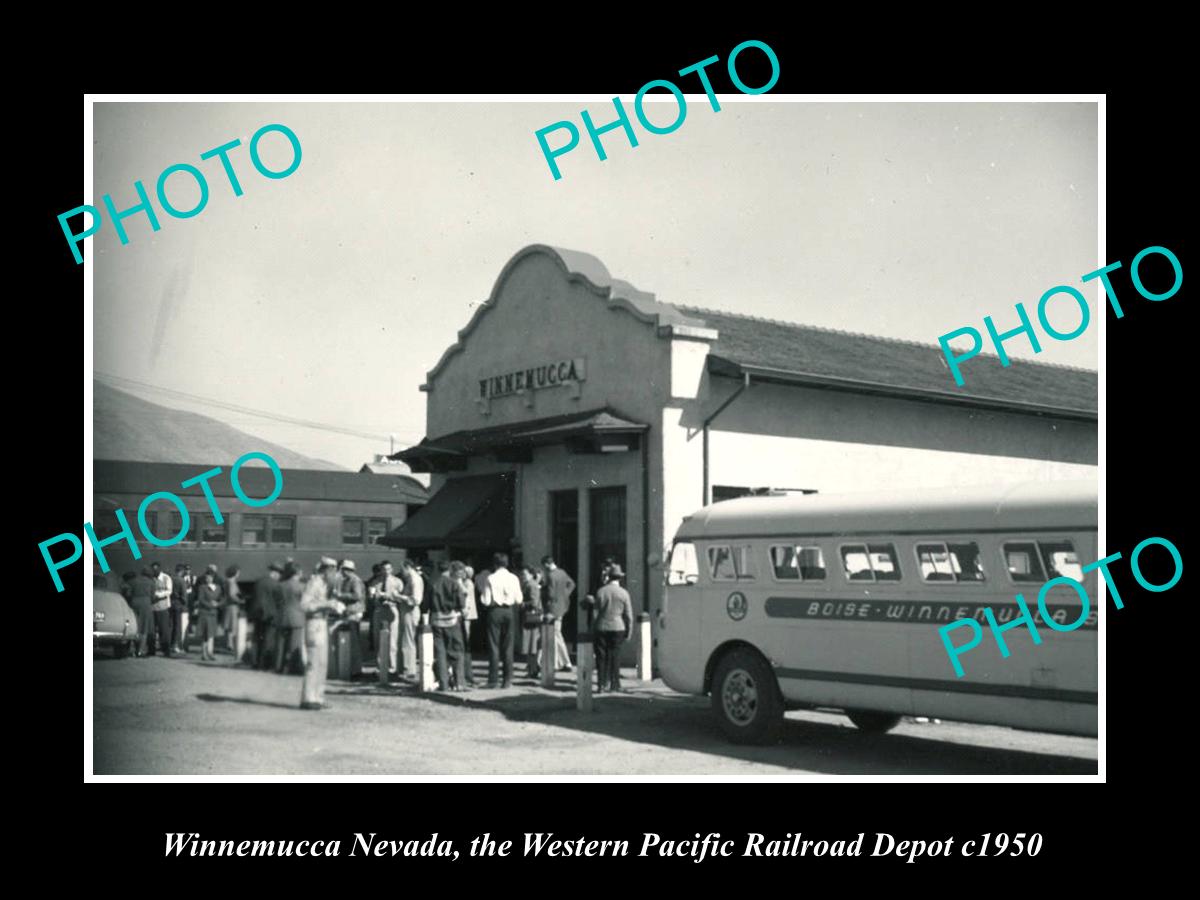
260	413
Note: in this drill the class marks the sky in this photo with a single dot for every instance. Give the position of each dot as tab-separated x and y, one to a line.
327	295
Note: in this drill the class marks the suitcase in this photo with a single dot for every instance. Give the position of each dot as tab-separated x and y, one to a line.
340	661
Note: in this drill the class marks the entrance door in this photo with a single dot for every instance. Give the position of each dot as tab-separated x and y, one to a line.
564	547
607	531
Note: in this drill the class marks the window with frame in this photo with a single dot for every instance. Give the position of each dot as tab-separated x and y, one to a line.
175	526
732	563
1036	562
360	532
949	563
794	562
683	568
377	528
210	533
254	531
281	531
870	562
352	532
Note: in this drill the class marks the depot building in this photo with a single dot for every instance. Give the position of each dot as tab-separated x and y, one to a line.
580	416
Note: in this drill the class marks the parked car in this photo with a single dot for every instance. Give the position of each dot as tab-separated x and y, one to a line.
113	623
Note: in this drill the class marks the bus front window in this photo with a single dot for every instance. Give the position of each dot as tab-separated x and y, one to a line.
683	568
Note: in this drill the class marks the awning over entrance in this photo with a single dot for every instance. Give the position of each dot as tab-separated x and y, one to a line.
470	511
591	431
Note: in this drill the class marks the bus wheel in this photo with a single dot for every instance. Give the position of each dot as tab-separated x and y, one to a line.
873	722
745	698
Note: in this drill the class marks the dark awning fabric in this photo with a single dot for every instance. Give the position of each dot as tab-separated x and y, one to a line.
469	511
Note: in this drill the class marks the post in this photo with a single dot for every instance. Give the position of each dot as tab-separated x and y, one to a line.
645	670
584	662
384	654
549	651
239	637
425	655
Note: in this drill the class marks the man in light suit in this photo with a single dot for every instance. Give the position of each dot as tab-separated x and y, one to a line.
558	586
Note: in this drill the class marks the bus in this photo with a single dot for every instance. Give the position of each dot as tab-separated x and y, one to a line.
836	601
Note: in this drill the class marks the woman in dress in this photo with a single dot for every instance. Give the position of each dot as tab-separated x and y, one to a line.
208	601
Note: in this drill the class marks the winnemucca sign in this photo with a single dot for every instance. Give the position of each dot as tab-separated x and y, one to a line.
565	371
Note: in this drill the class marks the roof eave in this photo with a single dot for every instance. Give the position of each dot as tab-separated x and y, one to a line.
732	368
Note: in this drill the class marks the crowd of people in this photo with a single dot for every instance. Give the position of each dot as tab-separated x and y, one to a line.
293	617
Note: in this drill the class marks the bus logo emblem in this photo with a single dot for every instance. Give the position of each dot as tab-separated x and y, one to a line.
736	606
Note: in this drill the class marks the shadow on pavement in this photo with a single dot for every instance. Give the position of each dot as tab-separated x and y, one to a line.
218	698
681	722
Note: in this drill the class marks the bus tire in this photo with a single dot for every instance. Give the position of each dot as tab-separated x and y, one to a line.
873	722
746	698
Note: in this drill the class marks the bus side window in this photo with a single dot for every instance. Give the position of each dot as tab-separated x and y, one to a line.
884	562
744	562
792	562
683	568
1061	560
812	563
856	564
967	562
1021	559
785	562
934	560
949	563
720	563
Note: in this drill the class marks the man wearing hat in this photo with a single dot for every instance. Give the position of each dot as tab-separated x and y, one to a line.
614	624
264	607
352	592
289	618
318	603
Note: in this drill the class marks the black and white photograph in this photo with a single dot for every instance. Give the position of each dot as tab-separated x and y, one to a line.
519	436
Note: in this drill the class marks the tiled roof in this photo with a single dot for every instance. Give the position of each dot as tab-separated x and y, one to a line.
895	365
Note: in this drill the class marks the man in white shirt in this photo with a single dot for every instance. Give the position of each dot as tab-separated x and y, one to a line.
410	615
162	610
388	592
501	597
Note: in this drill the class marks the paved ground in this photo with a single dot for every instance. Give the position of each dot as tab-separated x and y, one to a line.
181	716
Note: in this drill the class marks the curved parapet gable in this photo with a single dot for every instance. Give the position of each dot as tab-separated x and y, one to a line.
585	269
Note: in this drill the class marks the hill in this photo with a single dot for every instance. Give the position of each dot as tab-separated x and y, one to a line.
130	428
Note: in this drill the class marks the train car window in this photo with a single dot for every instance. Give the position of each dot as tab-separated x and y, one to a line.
785	562
175	524
683	568
1061	560
376	529
967	561
934	561
1021	559
212	534
885	562
352	532
254	531
283	531
720	563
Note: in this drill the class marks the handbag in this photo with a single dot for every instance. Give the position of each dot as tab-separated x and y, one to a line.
531	615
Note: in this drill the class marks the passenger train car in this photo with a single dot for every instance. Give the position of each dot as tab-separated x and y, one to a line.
318	513
831	601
